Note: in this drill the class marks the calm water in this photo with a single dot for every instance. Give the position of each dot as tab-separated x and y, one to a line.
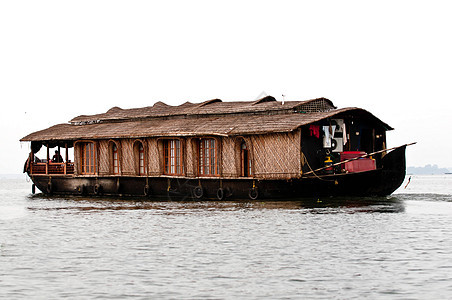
398	247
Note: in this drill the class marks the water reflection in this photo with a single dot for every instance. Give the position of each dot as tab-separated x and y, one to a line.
316	206
424	197
338	205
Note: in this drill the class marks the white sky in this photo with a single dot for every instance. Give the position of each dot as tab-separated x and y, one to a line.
60	59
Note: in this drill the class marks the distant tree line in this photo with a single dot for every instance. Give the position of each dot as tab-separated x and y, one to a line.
428	169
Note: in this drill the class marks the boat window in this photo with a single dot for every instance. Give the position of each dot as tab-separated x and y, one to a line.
173	164
89	158
245	160
141	159
115	158
208	160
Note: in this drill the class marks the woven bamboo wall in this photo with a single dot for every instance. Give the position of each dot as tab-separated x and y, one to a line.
276	156
153	161
190	161
229	163
104	158
127	157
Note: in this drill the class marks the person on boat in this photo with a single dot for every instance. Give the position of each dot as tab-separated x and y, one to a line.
57	157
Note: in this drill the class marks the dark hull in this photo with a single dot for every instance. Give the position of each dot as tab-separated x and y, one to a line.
380	182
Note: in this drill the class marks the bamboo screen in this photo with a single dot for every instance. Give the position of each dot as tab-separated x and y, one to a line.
154	164
320	105
276	156
190	157
228	158
128	159
104	157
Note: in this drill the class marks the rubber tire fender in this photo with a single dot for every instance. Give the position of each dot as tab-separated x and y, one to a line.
147	190
81	189
220	194
97	189
198	192
49	188
253	193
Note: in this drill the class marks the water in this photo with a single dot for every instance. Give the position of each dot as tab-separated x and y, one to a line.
398	247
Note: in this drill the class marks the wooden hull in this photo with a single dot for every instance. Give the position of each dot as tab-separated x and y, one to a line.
380	182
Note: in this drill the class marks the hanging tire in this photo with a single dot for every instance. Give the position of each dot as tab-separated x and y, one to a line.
220	194
198	192
33	188
81	189
97	189
253	193
147	190
49	188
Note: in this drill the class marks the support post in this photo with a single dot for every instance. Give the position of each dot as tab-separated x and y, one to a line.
66	157
48	159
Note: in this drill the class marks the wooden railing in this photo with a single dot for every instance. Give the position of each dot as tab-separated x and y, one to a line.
52	168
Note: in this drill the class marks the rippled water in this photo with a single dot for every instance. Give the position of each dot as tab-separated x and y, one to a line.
398	247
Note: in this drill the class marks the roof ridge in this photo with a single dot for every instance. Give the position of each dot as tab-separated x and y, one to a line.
202	104
264	99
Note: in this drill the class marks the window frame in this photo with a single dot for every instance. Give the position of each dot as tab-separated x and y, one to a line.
116	165
208	157
141	159
246	169
173	157
88	158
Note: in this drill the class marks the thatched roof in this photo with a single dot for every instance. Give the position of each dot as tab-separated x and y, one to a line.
212	117
211	107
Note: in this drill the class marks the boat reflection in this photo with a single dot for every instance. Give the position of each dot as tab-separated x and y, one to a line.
331	205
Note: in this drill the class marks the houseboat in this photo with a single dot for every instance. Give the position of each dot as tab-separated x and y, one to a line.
263	149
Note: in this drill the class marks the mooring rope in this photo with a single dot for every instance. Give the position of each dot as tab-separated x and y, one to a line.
305	160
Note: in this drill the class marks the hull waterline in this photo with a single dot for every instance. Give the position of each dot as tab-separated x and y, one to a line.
380	182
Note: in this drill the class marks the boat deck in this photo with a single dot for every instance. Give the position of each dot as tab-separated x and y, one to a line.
50	168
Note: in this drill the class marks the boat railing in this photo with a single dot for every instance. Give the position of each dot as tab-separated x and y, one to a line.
46	168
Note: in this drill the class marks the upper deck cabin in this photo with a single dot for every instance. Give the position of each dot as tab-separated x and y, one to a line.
243	139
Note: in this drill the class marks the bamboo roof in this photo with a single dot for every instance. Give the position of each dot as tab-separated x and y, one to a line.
212	117
216	106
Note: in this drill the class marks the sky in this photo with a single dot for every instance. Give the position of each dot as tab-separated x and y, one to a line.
60	59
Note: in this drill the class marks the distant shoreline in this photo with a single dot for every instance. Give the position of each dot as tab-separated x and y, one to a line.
428	170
